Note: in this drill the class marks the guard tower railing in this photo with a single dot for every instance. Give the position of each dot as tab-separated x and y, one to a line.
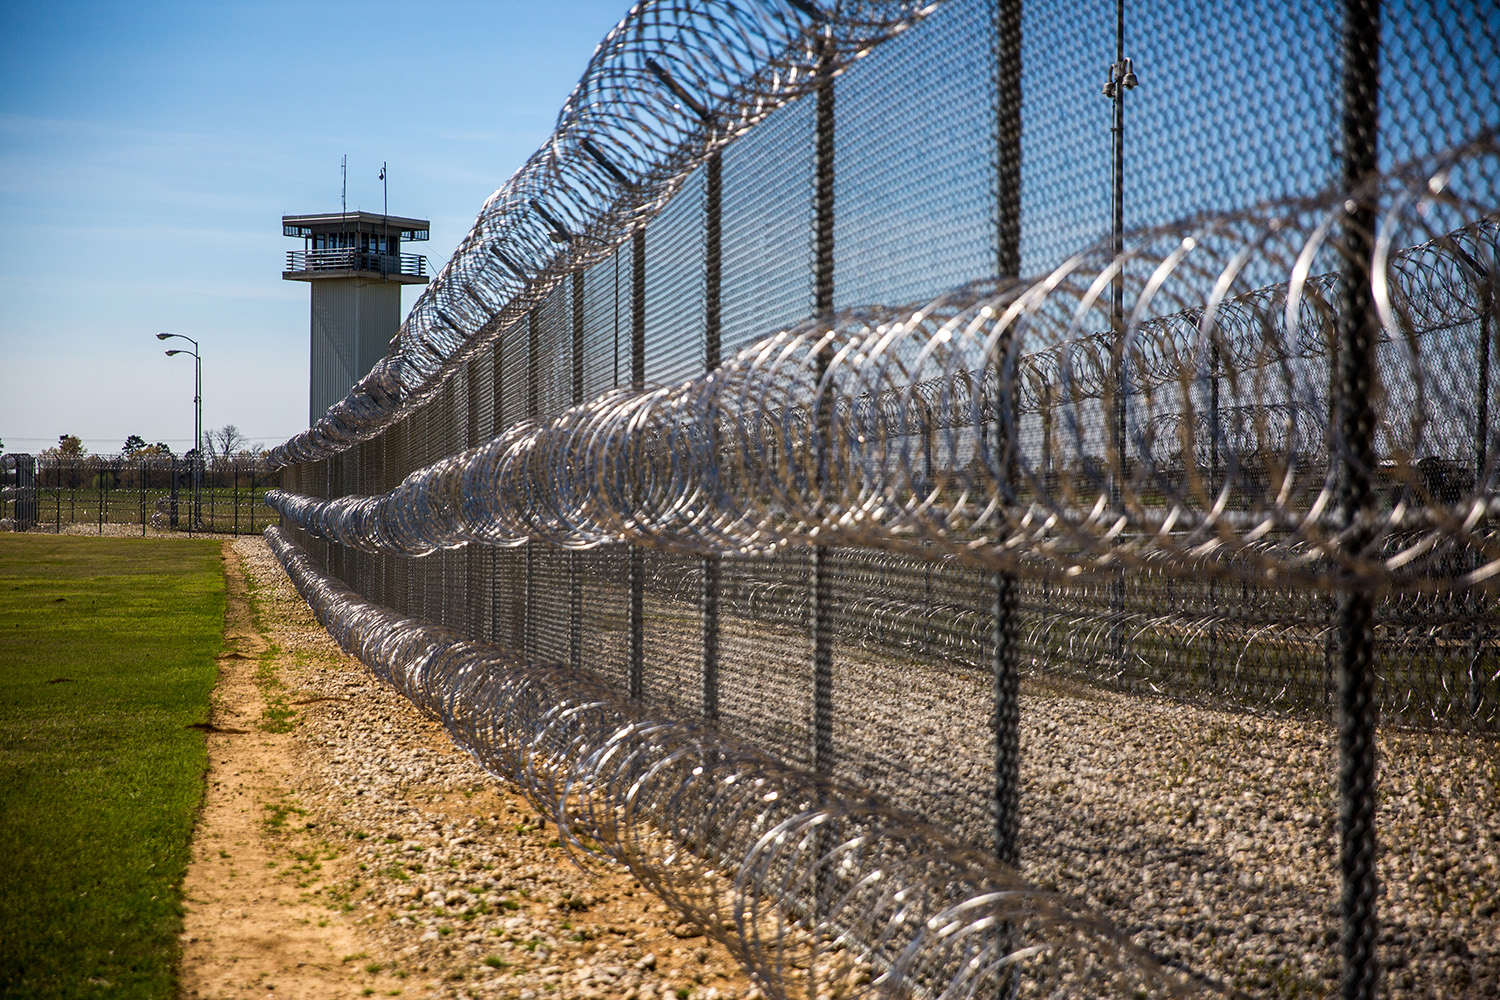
342	260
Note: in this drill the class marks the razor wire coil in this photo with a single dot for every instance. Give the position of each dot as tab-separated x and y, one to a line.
674	81
1227	464
789	870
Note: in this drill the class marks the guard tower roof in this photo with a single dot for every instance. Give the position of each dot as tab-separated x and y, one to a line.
354	222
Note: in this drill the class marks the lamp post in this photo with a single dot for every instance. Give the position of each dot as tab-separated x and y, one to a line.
197	422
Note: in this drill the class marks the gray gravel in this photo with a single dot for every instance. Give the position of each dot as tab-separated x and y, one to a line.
1208	837
456	880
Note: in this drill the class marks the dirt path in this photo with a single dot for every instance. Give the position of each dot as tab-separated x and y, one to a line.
346	848
249	926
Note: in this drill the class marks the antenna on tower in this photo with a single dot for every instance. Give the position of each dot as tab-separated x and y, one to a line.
344	184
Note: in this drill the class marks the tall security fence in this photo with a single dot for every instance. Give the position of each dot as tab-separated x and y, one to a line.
1106	480
118	494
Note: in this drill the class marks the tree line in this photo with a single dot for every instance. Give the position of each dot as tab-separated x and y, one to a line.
218	444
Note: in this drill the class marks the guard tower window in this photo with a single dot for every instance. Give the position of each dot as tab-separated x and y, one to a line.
333	241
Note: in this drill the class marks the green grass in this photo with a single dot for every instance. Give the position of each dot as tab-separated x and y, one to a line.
100	780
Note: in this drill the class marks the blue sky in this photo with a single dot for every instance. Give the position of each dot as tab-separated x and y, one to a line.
149	150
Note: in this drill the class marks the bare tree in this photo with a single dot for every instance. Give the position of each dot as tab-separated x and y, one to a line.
224	442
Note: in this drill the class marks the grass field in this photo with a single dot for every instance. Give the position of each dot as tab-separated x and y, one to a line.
107	653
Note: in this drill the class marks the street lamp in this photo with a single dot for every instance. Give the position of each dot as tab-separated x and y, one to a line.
197	422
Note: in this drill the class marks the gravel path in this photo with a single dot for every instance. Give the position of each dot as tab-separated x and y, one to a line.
1207	836
457	886
1211	837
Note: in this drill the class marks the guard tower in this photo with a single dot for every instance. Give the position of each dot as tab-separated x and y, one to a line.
356	267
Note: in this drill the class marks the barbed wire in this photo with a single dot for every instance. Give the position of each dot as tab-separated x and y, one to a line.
1227	462
672	82
808	882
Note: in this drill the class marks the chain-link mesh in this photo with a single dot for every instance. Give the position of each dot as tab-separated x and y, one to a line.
1105	480
125	494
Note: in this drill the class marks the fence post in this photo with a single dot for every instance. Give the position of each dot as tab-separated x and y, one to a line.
1005	638
1357	332
1489	291
713	210
638	383
1215	426
1118	467
822	584
575	577
533	408
820	569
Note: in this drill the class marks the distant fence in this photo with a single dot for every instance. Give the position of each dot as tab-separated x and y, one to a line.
113	493
1117	493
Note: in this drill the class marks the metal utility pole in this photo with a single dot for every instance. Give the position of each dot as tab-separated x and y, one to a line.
197	423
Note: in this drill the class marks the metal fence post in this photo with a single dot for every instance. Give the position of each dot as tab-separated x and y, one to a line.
1005	637
575	577
822	584
713	208
637	580
499	572
533	409
1489	290
1215	426
1118	467
1358	330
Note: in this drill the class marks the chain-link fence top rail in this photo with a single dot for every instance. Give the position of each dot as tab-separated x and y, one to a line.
1000	550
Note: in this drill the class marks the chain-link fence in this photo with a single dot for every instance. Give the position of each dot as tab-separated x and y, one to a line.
121	495
1106	480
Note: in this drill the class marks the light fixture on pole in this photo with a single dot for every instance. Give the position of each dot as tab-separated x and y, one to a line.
197	422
